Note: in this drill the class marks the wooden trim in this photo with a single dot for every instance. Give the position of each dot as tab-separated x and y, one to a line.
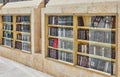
14	29
64	38
1	27
65	50
117	52
75	43
46	36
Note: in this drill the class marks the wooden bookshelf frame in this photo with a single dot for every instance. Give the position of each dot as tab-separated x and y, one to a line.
76	41
14	23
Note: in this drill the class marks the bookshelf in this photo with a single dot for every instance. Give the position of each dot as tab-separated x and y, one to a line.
60	38
23	37
7	31
16	32
86	41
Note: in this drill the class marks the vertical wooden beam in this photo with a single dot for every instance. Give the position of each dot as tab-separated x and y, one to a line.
75	43
1	27
116	48
14	30
46	35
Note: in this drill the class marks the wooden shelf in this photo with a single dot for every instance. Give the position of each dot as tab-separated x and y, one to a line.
25	51
60	26
23	41
64	38
65	50
23	23
7	22
6	46
19	32
7	30
7	38
22	50
98	29
96	71
98	57
60	61
97	43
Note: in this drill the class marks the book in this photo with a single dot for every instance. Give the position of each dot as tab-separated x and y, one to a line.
101	65
93	63
65	44
8	27
51	42
7	18
52	53
53	31
109	53
101	36
80	21
65	20
92	49
7	34
84	48
55	45
110	68
23	28
65	56
20	19
83	61
7	42
83	34
18	45
103	21
99	51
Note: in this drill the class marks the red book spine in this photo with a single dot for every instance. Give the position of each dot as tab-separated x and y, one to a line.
55	43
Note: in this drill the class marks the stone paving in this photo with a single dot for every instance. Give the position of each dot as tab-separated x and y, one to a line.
10	68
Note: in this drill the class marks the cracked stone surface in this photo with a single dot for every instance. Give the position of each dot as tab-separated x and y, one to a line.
10	68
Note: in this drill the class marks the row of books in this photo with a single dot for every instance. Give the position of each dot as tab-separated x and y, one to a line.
97	64
65	44
22	46
99	21
7	34
59	43
97	50
26	46
60	55
23	28
84	48
52	53
53	42
23	37
83	34
80	21
65	32
61	32
22	19
99	36
61	20
7	18
65	56
102	36
102	51
8	27
103	21
7	42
